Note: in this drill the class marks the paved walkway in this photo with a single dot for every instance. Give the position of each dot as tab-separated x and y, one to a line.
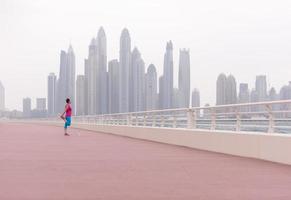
38	163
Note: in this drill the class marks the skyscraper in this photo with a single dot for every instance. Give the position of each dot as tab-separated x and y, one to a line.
244	93
26	107
51	96
41	104
244	96
167	85
71	77
91	76
113	86
102	107
137	82
221	89
161	94
261	87
80	95
195	98
61	83
66	82
2	97
151	88
285	94
231	93
184	78
124	63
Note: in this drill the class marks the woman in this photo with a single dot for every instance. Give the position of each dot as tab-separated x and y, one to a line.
68	112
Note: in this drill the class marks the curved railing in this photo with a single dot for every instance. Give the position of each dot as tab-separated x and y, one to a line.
271	116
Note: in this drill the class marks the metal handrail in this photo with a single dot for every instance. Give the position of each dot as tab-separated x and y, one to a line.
258	116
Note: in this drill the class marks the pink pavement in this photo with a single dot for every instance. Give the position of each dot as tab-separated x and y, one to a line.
39	163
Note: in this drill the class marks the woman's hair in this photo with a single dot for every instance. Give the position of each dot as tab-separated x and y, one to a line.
67	100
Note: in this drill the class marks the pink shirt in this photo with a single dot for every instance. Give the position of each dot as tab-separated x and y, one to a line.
68	110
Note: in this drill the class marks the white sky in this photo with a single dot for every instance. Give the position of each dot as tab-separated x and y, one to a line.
244	38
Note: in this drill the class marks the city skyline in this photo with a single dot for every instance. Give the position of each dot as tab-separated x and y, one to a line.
226	37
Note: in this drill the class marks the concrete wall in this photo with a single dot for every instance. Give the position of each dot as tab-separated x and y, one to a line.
271	147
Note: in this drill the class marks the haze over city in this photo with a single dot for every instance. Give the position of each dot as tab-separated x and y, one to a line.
244	39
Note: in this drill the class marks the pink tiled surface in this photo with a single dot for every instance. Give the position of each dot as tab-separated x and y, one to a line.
38	163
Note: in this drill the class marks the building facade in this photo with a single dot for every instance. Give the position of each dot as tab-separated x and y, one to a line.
184	78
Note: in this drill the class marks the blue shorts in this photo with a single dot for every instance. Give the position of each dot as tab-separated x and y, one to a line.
68	122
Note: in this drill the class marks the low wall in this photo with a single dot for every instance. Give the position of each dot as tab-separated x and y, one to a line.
265	146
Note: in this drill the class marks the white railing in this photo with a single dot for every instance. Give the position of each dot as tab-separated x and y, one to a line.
271	116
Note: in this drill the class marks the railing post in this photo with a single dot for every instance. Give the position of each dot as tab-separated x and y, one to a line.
162	121
271	119
213	119
136	119
191	119
238	121
129	121
144	119
175	121
154	120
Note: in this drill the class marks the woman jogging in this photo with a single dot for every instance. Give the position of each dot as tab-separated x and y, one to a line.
68	112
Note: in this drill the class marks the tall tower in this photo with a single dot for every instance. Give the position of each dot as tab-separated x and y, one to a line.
91	77
66	81
221	89
102	107
261	87
52	94
168	77
231	93
184	78
26	105
2	97
195	98
113	86
61	83
137	81
80	95
71	77
244	93
124	62
151	88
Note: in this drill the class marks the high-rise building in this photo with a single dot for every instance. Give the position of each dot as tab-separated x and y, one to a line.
124	63
136	82
244	96
86	90
113	86
41	104
91	77
184	78
231	93
167	85
2	97
285	94
80	95
221	89
176	98
26	107
161	94
61	83
102	95
273	96
244	93
261	87
151	88
51	96
66	82
195	98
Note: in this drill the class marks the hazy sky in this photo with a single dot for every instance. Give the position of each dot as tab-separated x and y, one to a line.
244	38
